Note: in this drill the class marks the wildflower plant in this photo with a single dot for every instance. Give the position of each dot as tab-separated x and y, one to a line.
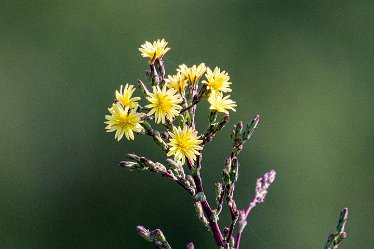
172	101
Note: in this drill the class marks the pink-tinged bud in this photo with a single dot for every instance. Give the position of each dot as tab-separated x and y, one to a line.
270	177
344	235
190	246
262	185
145	233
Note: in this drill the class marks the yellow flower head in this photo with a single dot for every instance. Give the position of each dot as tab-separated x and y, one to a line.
217	81
124	96
164	103
177	82
123	121
221	104
184	143
194	73
154	51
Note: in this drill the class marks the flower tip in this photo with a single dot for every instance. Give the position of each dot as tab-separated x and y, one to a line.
271	176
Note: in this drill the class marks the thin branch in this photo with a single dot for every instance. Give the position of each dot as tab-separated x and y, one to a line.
214	128
144	164
334	239
205	204
143	87
154	134
234	219
194	102
262	186
196	98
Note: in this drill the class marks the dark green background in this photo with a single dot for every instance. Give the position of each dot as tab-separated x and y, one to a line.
305	66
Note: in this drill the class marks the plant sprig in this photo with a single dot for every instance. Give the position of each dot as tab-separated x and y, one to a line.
172	102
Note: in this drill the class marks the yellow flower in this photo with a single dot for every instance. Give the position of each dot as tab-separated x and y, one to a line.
123	121
217	81
164	102
194	73
154	51
184	143
177	82
221	104
124	96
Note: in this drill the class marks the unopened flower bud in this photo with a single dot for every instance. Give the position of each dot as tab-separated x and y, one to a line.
200	197
249	129
191	181
142	231
190	246
238	130
133	157
129	164
238	148
160	167
148	163
344	235
234	170
218	192
158	236
228	163
200	213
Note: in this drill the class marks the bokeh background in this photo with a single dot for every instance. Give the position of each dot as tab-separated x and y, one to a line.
305	66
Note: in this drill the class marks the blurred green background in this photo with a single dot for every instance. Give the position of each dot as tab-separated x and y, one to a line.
305	66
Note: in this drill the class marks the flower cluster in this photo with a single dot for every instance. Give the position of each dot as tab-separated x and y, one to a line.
171	102
167	114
